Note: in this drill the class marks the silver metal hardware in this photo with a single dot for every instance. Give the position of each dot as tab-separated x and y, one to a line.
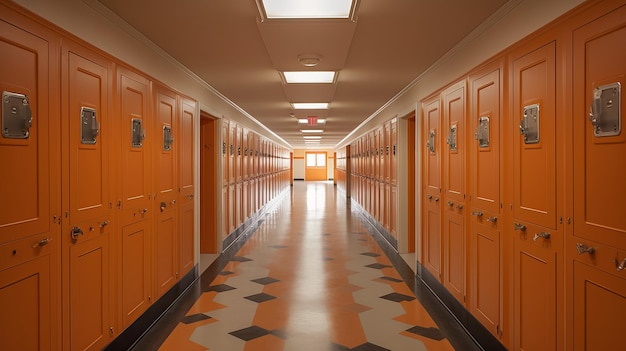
143	211
482	132
459	206
190	196
104	224
529	125
41	243
605	110
430	144
168	138
89	125
620	266
583	248
17	117
429	197
163	205
451	203
138	133
436	199
451	140
477	213
173	202
492	219
543	235
520	227
76	232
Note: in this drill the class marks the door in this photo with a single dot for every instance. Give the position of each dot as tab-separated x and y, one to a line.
186	184
209	153
134	236
316	167
86	241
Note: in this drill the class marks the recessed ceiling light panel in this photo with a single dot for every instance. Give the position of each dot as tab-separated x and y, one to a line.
284	9
309	105
312	131
309	77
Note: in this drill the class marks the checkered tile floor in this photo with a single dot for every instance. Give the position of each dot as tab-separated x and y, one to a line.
311	277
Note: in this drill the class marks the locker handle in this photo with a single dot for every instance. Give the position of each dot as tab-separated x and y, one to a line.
583	248
163	206
143	211
41	243
76	232
459	206
492	219
520	227
620	266
104	224
451	203
429	197
543	235
436	199
477	213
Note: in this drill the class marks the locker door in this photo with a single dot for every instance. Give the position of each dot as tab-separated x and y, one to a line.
186	196
485	242
166	182
432	188
453	150
134	258
599	292
534	202
29	184
86	241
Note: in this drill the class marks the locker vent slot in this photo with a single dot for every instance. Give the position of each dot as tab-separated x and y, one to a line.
452	138
17	118
138	133
529	126
430	144
168	139
89	126
605	114
482	132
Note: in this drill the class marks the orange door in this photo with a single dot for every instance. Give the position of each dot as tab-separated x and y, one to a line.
485	243
537	246
186	184
599	291
88	139
135	231
454	179
432	188
29	183
166	182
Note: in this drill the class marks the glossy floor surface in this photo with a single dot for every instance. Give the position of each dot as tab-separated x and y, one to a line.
312	275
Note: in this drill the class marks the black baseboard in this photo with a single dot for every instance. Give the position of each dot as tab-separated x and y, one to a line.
127	339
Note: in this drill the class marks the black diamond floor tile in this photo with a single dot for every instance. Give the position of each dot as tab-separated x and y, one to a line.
391	279
337	347
219	288
226	273
195	318
431	333
265	281
240	259
370	254
262	297
369	347
396	297
377	266
249	333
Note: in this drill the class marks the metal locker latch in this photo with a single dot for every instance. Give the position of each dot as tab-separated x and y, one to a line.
138	133
17	117
89	125
430	144
482	132
76	232
529	126
451	140
605	110
168	138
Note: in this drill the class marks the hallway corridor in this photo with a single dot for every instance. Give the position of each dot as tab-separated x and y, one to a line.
311	275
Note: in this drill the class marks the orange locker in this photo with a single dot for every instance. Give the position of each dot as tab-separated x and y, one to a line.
431	169
166	182
485	242
596	242
537	241
88	139
133	238
29	184
186	187
454	179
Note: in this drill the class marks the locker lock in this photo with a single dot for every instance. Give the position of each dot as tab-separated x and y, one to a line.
76	232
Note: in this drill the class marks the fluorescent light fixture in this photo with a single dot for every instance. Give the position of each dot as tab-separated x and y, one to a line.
311	137
306	121
312	130
282	9
309	105
309	77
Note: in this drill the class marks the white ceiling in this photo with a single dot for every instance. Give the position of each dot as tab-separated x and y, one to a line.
387	46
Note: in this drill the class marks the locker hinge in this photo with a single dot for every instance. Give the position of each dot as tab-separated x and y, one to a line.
119	204
569	220
561	220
